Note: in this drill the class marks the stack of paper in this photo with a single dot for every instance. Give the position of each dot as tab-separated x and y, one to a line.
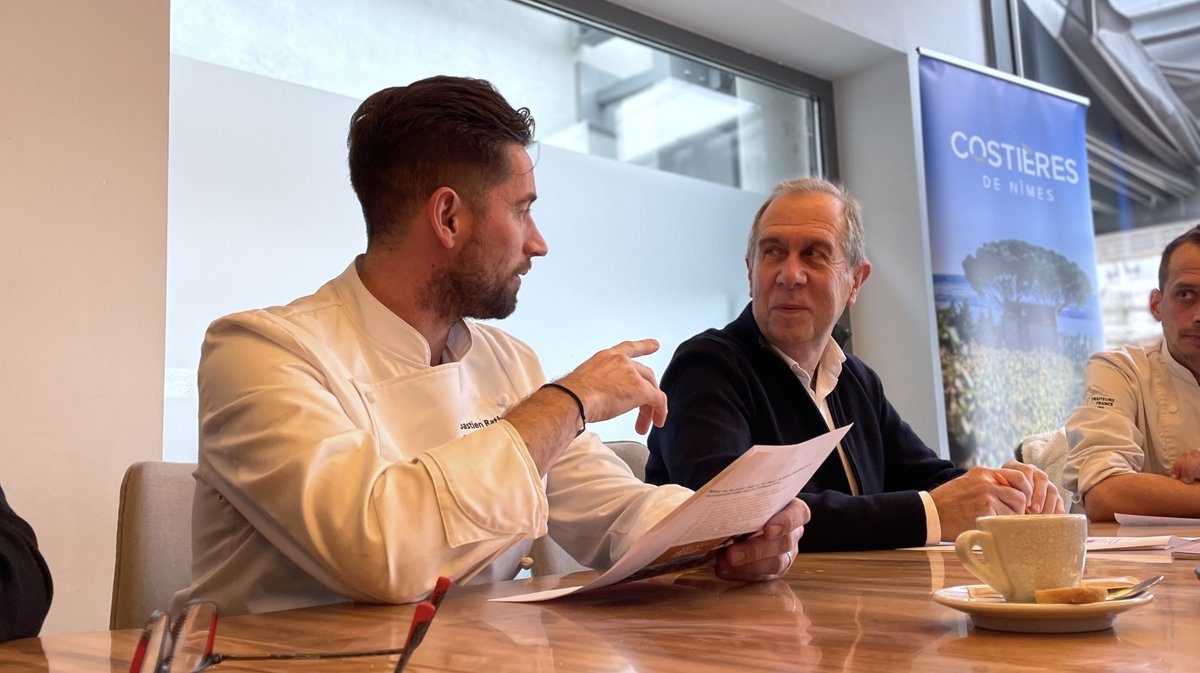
1144	520
1180	547
1137	543
736	502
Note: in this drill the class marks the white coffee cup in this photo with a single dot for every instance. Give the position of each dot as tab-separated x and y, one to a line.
1023	553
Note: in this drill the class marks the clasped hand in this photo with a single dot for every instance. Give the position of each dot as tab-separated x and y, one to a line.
767	556
1187	468
1016	488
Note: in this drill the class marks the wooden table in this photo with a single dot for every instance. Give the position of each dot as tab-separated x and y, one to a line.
834	612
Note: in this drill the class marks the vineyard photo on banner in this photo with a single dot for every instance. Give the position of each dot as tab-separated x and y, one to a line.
1012	252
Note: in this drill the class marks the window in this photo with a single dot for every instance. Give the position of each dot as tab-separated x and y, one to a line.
1137	62
650	164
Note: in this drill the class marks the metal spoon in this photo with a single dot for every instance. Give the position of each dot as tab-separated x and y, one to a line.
1135	590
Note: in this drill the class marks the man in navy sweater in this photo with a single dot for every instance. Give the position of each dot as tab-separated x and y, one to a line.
25	584
775	375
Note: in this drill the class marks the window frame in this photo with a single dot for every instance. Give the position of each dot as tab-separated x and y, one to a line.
675	40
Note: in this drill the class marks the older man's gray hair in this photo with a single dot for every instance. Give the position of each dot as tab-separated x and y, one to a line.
853	247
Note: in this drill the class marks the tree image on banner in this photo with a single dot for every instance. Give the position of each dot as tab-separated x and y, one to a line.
1007	369
1012	255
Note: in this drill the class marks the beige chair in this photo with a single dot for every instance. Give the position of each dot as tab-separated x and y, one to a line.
154	546
551	559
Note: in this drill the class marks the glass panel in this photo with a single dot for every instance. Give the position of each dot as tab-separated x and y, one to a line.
591	91
1137	62
650	168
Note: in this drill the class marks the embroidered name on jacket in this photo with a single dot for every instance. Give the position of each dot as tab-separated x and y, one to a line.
475	425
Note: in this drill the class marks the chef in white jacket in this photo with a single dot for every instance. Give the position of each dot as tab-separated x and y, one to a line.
365	439
1133	445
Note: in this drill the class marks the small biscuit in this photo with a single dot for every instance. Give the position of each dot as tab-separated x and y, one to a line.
1071	595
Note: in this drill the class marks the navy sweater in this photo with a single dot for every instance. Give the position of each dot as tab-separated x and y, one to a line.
728	390
25	586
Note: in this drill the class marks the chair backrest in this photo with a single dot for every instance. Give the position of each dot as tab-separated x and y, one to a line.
551	559
635	455
154	540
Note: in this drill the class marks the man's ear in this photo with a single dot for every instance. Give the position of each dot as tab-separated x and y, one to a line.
858	277
445	211
750	274
1156	297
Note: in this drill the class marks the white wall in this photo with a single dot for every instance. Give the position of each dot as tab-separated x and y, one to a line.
893	322
261	211
637	253
83	188
356	48
829	39
83	138
624	239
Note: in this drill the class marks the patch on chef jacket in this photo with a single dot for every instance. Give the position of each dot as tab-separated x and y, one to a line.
1101	401
469	426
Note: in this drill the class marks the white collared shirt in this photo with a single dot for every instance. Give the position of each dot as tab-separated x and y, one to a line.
1139	414
829	369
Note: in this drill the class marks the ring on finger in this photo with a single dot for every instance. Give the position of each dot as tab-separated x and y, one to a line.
791	557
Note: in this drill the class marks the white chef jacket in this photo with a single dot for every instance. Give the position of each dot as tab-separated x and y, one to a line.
336	463
1140	412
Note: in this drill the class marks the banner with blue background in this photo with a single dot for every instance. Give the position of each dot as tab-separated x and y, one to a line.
1012	251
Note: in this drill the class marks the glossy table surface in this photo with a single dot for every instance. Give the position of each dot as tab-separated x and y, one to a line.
868	611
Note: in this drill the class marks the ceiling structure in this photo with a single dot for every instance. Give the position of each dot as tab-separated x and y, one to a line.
1141	60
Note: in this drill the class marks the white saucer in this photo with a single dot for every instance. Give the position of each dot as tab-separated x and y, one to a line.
994	613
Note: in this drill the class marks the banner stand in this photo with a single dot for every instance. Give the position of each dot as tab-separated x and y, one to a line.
1012	253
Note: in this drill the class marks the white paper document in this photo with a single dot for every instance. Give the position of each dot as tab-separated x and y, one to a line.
944	545
1136	543
1145	549
1191	550
738	501
1143	520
